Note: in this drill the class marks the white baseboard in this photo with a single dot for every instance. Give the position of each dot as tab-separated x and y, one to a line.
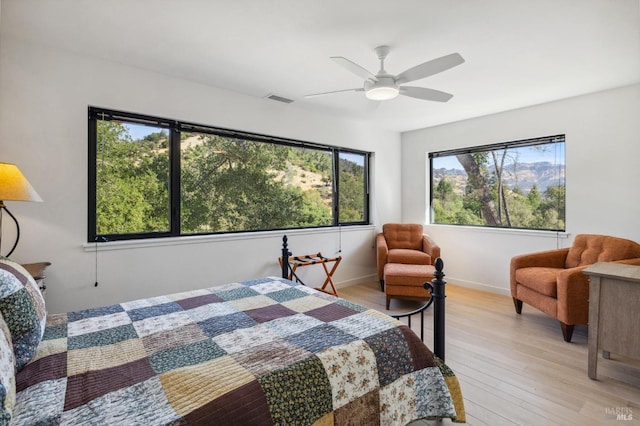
452	280
478	286
353	281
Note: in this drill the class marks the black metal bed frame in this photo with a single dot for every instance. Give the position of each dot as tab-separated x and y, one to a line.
436	288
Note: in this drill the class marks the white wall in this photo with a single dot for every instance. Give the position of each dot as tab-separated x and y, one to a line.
43	128
44	94
602	177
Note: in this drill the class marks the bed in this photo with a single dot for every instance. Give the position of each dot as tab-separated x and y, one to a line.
261	352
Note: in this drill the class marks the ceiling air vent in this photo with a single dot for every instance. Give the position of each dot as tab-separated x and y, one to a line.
279	99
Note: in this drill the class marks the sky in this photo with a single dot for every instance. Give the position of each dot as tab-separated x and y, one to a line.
138	131
529	154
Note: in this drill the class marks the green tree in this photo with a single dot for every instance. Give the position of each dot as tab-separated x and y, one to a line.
476	167
351	191
553	206
491	195
131	182
444	190
231	185
227	184
534	197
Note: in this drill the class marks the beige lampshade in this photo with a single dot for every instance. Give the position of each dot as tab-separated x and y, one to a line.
14	186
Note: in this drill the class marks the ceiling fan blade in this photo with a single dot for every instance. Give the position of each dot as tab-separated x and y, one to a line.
359	89
425	94
430	68
354	68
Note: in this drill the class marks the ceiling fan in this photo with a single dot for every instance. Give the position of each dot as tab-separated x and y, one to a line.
383	86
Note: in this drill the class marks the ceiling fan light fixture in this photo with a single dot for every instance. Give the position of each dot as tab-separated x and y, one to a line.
382	90
382	93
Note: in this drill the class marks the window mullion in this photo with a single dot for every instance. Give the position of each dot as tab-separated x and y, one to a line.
93	158
336	185
367	187
174	177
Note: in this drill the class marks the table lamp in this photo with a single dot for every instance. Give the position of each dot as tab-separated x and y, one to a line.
14	187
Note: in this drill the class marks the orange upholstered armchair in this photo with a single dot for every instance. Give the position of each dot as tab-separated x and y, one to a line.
404	243
552	281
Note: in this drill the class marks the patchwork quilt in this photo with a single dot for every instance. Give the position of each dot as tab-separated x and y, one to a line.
260	352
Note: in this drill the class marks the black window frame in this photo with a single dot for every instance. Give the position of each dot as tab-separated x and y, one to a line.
558	138
175	127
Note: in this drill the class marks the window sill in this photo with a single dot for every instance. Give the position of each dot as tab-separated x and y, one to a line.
503	231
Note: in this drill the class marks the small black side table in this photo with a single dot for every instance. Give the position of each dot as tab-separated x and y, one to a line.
37	271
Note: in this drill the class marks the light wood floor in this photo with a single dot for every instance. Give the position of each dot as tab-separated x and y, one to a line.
517	369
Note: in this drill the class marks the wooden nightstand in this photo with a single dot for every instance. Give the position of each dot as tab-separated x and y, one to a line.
37	271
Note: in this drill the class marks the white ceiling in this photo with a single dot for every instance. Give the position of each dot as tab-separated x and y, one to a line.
518	52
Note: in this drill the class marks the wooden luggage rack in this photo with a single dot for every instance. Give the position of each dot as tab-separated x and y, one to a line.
295	262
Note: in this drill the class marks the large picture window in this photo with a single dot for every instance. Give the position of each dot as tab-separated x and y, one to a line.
152	177
518	184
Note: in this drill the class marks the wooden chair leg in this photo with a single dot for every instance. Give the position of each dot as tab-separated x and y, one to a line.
518	305
567	331
388	300
381	285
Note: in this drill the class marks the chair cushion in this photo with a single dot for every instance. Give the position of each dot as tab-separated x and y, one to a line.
407	275
408	256
23	309
548	305
588	249
403	235
540	279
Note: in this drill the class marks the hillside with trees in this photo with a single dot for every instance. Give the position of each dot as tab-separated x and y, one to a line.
227	184
491	189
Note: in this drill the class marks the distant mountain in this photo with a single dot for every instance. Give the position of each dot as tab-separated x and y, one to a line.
543	173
